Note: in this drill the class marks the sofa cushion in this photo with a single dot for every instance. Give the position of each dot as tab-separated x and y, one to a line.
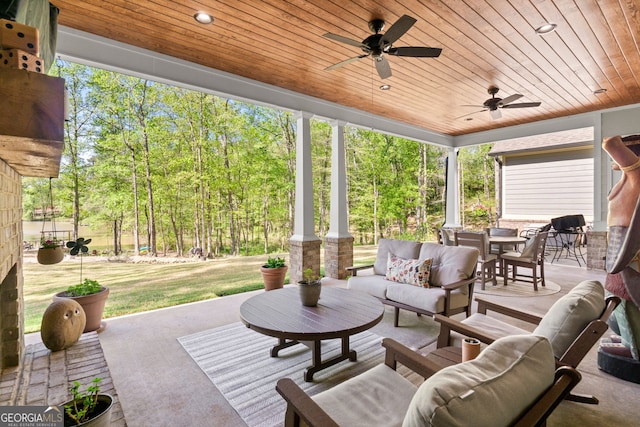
450	263
410	271
428	299
491	390
373	284
377	397
403	248
568	316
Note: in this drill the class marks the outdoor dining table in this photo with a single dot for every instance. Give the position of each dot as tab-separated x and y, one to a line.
501	242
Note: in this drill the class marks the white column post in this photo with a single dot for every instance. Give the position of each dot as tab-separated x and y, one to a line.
452	212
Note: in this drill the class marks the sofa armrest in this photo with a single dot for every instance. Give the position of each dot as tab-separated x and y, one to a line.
527	316
354	270
448	324
396	352
459	284
300	406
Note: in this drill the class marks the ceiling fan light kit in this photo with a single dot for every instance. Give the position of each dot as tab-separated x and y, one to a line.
377	45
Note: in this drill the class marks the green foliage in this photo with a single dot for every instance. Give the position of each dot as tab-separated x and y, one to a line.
88	287
84	403
274	262
309	276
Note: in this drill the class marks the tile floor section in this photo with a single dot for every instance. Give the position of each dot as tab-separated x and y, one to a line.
45	377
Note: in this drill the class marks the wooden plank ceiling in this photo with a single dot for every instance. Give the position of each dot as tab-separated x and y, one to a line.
484	43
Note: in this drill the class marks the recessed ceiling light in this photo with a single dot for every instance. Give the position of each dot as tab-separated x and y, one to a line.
599	91
385	87
203	18
546	29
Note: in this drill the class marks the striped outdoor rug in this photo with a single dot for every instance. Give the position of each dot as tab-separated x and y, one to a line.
237	360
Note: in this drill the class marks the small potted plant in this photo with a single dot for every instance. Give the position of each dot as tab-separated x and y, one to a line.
310	288
273	273
50	252
88	293
88	408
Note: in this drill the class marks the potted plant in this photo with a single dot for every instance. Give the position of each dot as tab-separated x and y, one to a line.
310	288
273	273
88	408
50	252
88	293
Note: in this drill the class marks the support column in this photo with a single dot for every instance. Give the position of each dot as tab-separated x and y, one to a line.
452	212
304	245
338	243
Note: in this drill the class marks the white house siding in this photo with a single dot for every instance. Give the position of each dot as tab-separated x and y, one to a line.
547	185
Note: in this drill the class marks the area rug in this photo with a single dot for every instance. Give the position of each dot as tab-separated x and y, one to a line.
517	289
237	361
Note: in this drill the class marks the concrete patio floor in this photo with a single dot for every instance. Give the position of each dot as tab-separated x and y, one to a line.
158	384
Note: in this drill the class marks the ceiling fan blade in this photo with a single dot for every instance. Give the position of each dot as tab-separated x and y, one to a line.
415	51
495	114
398	28
383	67
342	39
523	105
475	112
509	99
475	106
345	62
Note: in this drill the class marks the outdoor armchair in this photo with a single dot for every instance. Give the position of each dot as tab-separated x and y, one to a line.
573	324
514	382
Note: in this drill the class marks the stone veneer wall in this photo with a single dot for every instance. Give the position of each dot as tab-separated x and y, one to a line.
11	281
338	255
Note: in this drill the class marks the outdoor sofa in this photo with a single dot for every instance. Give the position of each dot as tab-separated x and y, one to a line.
426	278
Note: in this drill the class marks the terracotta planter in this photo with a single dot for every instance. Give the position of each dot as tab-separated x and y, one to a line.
310	292
102	411
48	256
93	306
273	277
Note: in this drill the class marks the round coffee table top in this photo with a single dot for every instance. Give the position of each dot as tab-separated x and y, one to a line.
339	313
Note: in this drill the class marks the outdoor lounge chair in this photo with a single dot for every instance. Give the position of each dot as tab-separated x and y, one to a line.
573	325
518	369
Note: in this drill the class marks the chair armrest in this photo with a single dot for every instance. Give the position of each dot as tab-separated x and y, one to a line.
354	270
484	305
301	406
396	352
448	324
459	284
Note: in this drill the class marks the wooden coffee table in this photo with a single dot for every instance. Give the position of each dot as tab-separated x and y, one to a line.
340	313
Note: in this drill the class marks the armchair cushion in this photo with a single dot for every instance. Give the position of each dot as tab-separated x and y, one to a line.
488	325
403	248
454	263
378	397
493	389
570	315
410	271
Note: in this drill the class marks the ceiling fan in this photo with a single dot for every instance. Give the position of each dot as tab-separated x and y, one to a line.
494	104
378	44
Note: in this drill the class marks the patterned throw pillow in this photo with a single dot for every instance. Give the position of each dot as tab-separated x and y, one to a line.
410	271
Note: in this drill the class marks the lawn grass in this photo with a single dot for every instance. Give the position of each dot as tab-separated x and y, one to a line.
139	287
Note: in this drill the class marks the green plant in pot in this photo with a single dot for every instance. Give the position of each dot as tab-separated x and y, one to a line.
310	288
273	273
88	408
88	293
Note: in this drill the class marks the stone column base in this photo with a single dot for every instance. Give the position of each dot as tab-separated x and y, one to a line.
338	255
303	254
596	249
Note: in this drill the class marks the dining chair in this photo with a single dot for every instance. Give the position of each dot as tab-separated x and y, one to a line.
501	231
486	260
532	256
446	237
